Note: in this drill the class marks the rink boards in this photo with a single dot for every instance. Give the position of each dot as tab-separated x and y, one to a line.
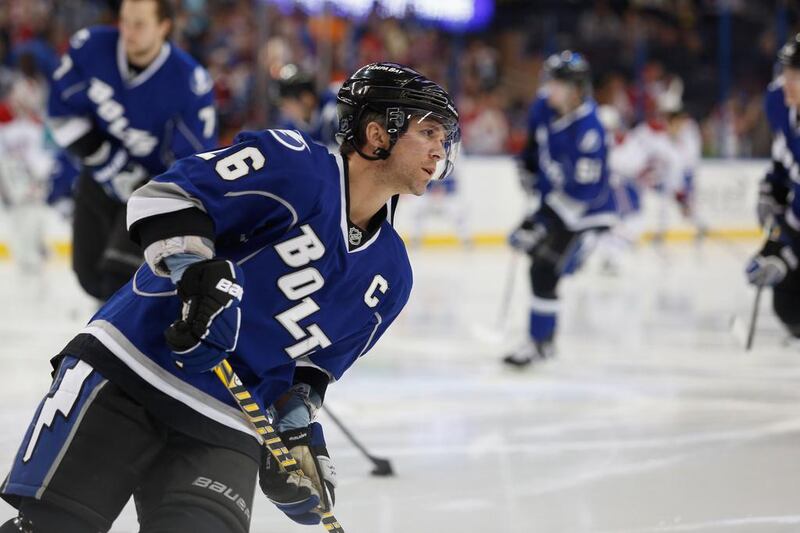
487	201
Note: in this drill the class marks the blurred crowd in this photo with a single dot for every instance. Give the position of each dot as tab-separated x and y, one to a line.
723	51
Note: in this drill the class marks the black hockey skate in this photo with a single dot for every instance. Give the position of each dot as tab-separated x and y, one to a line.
530	352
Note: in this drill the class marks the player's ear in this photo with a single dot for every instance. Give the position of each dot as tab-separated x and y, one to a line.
376	137
165	27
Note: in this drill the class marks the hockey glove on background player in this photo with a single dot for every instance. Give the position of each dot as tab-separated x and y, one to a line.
208	327
775	260
115	171
772	199
302	499
534	229
527	235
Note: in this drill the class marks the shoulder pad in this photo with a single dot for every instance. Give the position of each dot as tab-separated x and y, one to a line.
280	139
590	140
79	38
200	82
291	151
93	37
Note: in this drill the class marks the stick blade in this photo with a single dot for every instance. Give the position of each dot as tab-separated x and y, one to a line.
738	330
383	467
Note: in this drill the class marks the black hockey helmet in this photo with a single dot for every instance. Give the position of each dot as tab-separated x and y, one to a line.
401	95
789	54
292	82
569	66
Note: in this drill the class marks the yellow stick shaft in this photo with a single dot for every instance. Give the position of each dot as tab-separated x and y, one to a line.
258	419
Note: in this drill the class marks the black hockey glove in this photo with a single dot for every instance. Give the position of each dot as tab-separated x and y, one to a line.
529	181
772	200
113	168
301	498
534	228
208	326
775	260
527	235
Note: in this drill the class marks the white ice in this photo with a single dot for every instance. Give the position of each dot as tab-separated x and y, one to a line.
652	418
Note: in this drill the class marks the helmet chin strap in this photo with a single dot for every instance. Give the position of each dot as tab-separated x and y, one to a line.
378	154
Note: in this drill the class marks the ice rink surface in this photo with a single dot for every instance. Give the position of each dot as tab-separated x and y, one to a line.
652	417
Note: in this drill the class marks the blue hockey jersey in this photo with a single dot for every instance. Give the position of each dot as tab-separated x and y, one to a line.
160	114
570	161
785	125
313	295
322	126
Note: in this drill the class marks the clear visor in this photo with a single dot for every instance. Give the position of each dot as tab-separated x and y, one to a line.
450	133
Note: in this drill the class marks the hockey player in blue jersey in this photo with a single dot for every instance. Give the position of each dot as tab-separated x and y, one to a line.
565	159
305	109
126	103
273	253
776	265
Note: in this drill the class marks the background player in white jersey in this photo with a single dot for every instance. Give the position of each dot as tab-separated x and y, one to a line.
644	158
684	132
626	164
25	165
776	265
274	253
566	156
671	121
126	103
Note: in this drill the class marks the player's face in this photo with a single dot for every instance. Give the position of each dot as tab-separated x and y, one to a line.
561	95
791	86
141	30
415	155
301	108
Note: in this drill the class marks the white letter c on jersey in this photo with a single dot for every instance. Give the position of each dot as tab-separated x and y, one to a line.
379	283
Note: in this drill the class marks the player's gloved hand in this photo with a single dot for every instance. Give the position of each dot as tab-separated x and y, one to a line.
528	235
208	327
772	199
113	168
301	498
775	260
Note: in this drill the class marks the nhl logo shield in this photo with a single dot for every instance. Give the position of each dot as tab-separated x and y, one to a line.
354	236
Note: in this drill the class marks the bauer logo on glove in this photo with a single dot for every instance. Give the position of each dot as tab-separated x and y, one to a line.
208	327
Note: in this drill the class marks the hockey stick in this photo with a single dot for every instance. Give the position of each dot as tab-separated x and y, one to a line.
258	419
505	304
382	466
751	333
498	331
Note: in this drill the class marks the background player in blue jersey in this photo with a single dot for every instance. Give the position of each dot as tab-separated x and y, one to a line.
565	159
126	103
776	265
272	252
305	109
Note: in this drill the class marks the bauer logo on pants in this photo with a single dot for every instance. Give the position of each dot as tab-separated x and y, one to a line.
221	488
